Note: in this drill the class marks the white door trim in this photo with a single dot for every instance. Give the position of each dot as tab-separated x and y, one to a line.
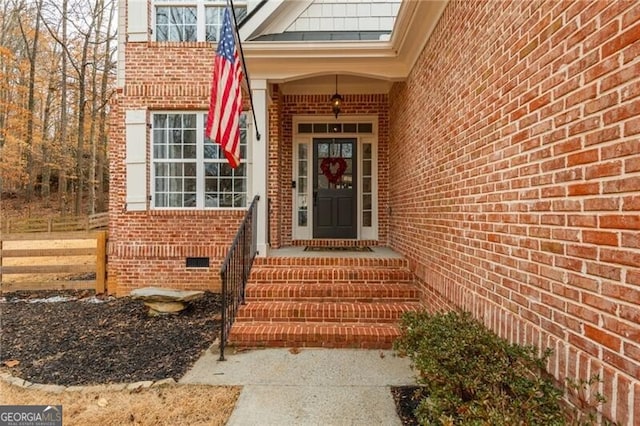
301	195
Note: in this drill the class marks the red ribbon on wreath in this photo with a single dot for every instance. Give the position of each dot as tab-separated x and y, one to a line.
328	164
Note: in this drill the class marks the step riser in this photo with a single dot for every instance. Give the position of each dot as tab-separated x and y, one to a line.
325	312
314	335
348	298
288	262
336	276
379	293
313	344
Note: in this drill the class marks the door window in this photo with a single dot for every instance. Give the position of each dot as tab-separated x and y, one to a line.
301	184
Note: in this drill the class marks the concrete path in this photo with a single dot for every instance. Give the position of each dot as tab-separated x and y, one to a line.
312	387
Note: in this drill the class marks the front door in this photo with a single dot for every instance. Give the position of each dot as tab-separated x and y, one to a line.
334	188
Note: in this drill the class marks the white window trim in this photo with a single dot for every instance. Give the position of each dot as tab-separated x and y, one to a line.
200	13
200	125
302	232
368	232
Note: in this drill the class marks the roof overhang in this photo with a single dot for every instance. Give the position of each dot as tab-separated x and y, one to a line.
389	60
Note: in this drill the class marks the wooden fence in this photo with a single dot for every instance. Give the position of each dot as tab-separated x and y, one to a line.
56	224
31	261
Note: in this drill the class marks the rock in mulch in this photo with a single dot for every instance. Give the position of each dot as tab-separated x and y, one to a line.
163	301
90	340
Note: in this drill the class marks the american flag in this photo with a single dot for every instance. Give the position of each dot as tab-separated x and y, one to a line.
223	120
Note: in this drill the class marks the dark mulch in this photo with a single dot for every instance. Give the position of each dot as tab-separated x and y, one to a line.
407	399
79	342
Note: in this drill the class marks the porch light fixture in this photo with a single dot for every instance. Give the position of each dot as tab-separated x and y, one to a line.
336	101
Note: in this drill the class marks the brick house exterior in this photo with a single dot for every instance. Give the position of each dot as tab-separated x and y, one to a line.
506	140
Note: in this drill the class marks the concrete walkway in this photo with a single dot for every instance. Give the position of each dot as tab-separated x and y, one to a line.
312	387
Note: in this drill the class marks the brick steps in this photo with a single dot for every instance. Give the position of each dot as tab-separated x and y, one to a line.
331	274
289	311
324	292
332	302
335	262
321	335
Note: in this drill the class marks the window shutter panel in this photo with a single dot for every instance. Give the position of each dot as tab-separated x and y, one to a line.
136	159
137	21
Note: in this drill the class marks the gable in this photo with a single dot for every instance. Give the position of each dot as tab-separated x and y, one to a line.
329	15
304	20
276	47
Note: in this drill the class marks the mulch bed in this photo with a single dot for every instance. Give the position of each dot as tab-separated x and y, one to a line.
407	399
81	342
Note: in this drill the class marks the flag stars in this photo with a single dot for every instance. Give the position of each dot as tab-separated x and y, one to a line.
227	43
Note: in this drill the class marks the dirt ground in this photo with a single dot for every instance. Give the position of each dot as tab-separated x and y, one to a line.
163	405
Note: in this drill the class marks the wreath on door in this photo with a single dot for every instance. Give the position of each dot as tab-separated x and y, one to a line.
333	168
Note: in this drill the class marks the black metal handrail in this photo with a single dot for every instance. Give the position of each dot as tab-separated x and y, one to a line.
235	270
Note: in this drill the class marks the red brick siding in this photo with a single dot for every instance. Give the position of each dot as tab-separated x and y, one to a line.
274	184
150	248
320	104
514	179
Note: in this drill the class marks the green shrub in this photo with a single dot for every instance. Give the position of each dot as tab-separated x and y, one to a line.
473	377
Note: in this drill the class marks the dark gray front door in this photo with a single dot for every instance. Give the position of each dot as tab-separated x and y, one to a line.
334	188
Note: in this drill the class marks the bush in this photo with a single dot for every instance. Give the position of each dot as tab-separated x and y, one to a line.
473	377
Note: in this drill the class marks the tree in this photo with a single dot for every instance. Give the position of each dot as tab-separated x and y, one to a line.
100	99
55	87
32	54
14	89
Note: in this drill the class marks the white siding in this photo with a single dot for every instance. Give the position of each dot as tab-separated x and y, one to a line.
347	15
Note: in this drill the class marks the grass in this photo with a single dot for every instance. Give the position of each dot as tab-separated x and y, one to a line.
162	405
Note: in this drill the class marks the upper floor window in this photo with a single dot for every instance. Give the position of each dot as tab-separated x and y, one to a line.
176	23
192	20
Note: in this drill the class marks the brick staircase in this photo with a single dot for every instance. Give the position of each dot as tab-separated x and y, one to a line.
336	302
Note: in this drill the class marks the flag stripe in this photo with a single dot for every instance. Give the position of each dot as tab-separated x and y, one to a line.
223	121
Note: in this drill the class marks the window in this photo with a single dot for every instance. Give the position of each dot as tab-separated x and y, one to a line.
367	184
192	20
189	170
335	128
303	163
176	23
213	20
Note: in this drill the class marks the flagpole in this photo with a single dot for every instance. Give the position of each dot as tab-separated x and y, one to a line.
244	66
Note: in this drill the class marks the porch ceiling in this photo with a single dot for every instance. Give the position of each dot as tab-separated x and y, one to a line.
284	61
326	84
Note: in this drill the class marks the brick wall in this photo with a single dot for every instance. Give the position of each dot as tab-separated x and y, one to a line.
292	105
276	185
150	248
515	180
146	247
